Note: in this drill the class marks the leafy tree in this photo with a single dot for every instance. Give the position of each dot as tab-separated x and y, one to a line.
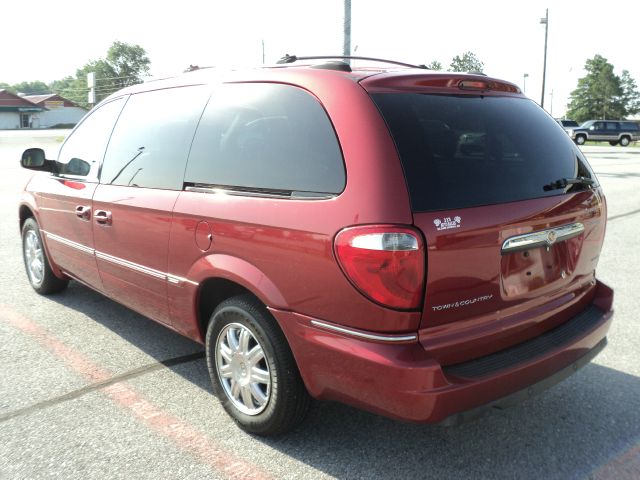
599	94
467	63
123	66
129	63
31	88
435	65
630	95
5	86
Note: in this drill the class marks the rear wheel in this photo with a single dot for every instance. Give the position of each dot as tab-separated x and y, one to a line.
39	272
625	141
580	139
252	369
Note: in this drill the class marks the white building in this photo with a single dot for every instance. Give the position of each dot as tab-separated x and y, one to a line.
17	112
56	111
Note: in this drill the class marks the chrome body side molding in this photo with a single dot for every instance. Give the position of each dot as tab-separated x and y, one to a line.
168	277
365	335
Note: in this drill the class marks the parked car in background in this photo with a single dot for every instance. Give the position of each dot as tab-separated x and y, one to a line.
567	124
391	238
616	132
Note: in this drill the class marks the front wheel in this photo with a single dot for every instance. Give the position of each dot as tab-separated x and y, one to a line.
252	369
625	141
39	272
580	139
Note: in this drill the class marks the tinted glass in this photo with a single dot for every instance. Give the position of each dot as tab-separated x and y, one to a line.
629	126
266	136
81	154
465	151
612	125
150	144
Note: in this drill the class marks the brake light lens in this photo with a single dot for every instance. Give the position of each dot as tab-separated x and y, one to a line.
385	263
474	85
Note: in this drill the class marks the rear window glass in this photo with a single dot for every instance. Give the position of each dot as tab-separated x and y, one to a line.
465	151
266	137
631	127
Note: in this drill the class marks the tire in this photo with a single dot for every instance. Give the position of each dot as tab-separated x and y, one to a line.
580	139
625	141
36	263
245	345
613	143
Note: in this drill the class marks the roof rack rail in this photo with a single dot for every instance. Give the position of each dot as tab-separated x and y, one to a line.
293	58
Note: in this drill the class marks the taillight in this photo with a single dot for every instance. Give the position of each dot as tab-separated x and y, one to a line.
384	262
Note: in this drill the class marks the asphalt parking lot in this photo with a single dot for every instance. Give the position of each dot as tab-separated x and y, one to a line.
90	389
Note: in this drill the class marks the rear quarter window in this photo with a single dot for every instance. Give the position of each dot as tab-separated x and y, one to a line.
462	151
260	136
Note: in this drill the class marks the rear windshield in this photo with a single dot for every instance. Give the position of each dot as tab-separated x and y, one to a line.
462	151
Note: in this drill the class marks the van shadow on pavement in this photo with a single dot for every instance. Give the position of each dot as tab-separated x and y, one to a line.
570	431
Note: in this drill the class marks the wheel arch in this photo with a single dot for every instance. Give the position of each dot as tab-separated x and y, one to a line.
221	277
26	210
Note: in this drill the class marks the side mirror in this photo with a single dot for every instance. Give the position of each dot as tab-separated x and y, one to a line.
592	127
34	159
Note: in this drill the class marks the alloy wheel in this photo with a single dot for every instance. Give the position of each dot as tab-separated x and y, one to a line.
243	369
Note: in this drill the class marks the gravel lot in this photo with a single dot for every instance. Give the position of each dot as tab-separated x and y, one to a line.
83	392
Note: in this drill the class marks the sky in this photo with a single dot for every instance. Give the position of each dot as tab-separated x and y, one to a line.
49	40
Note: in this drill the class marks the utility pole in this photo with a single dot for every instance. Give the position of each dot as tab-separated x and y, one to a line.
545	22
524	82
263	51
91	85
346	46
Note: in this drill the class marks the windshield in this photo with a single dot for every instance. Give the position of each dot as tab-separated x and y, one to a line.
462	151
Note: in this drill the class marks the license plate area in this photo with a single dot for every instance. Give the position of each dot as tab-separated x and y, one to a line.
525	271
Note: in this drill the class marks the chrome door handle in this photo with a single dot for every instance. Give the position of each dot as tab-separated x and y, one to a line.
83	212
103	217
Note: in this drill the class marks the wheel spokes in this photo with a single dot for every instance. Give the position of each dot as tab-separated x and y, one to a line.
242	368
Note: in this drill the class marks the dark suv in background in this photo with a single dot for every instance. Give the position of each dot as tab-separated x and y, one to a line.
391	238
616	132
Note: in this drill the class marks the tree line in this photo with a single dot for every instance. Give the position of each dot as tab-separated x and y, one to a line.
600	94
123	65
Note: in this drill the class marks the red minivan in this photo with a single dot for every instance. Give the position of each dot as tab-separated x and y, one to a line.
419	244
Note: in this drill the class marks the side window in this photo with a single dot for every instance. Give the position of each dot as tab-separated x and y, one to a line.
262	136
81	154
150	144
611	126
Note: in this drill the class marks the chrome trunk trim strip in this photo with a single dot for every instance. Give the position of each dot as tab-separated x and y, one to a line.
541	238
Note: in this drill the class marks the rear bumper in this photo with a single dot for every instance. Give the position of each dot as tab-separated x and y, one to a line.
400	379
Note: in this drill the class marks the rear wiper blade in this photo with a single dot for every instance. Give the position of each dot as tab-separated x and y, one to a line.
564	182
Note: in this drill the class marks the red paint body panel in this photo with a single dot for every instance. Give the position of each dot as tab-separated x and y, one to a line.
404	381
160	246
286	249
139	233
58	200
528	292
